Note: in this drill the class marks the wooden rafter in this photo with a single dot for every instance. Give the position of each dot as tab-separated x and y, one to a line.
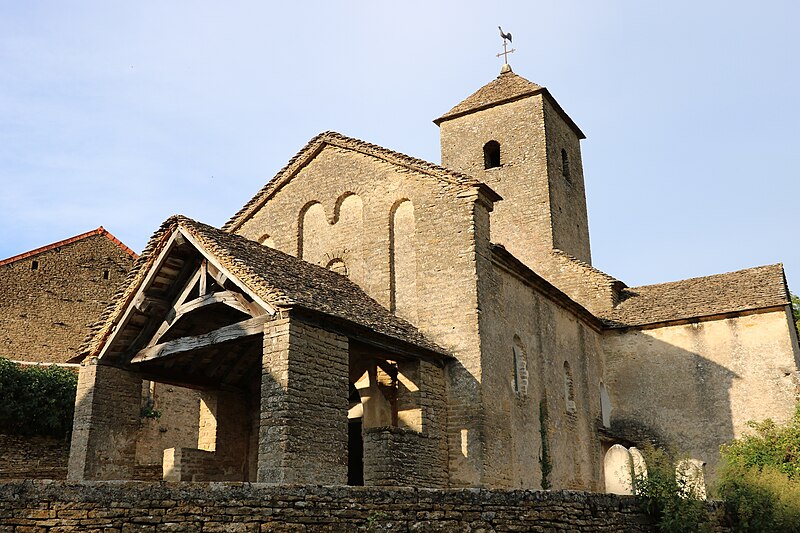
203	273
212	261
246	328
173	241
182	307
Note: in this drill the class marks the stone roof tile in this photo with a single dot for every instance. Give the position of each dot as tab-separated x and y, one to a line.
278	278
505	88
753	288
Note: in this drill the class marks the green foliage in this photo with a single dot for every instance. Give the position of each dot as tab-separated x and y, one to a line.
760	477
769	445
148	411
796	311
544	460
667	498
760	499
36	400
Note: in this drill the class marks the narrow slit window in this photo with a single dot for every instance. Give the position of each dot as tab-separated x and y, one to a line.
491	154
569	389
105	274
35	265
565	166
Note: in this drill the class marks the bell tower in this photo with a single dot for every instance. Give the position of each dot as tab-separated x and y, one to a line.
512	135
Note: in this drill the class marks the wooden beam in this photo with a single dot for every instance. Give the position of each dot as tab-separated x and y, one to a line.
218	275
149	305
120	325
203	271
253	309
169	320
212	261
223	297
246	328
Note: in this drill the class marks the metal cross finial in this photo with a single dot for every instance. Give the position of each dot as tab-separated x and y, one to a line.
506	39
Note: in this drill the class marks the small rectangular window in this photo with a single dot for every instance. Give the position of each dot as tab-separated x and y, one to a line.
105	274
35	265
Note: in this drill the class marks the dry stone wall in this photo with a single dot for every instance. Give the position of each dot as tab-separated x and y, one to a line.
36	506
33	457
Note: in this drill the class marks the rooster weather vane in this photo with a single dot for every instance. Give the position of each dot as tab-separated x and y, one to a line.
506	39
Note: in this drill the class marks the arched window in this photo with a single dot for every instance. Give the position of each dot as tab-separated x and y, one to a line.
338	266
266	240
491	154
569	389
565	166
403	261
520	362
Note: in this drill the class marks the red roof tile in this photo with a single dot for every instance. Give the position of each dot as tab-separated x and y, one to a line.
99	231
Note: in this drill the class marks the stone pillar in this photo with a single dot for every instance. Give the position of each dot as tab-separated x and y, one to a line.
304	391
107	411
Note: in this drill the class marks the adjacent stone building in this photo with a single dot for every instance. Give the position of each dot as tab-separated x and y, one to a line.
51	296
372	318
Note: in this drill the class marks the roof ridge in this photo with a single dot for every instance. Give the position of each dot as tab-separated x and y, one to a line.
98	231
586	265
333	138
410	158
485	97
754	288
697	278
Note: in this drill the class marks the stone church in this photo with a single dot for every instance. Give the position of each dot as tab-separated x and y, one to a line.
369	318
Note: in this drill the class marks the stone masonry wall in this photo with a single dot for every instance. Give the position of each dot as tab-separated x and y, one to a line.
106	423
694	386
33	457
191	464
198	507
177	427
540	210
445	306
528	338
304	391
401	457
46	313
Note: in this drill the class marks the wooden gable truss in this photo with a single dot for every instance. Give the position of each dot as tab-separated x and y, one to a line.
190	323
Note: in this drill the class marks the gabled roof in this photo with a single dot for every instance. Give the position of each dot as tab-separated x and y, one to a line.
445	176
507	87
744	290
99	231
279	279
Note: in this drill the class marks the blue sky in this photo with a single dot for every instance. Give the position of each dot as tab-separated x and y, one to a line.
123	113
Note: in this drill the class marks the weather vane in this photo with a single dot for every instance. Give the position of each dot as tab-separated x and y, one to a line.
506	39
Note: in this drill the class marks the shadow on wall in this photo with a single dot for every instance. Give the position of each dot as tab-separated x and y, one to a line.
670	397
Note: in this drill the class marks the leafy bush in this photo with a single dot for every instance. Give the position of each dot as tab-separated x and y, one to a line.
668	498
760	499
760	477
36	400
